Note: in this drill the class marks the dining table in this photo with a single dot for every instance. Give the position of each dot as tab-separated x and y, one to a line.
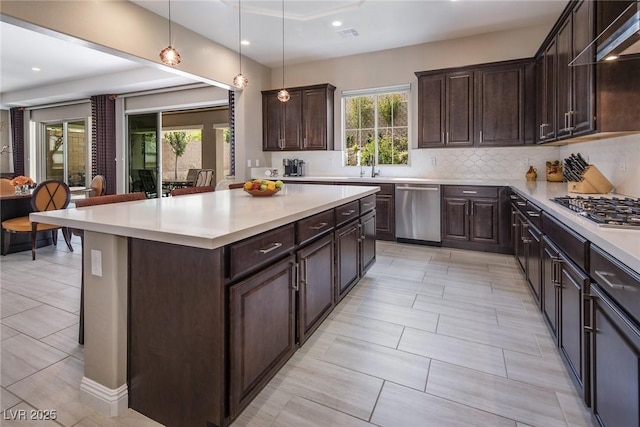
15	206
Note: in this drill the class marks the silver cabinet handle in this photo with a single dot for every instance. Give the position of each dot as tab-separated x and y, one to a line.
480	137
296	277
273	247
604	276
521	203
443	138
514	214
319	226
571	113
469	192
533	214
368	204
556	274
513	197
347	213
418	188
447	140
542	131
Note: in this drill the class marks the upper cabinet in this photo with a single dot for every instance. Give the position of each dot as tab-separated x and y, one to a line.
580	100
305	122
483	105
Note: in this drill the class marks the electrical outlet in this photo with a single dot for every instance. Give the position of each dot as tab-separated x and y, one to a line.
432	160
525	162
622	165
249	163
96	263
257	162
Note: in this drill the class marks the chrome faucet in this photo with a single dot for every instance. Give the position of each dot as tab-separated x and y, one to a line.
372	162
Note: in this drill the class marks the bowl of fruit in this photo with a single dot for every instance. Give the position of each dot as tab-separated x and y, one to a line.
262	187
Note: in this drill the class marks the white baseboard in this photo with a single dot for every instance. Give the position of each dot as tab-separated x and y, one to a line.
107	401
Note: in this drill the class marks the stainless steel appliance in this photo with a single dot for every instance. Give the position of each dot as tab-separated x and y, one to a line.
418	213
611	212
293	167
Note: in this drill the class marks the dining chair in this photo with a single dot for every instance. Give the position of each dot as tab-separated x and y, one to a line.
6	188
48	196
204	178
191	176
192	190
93	201
148	181
97	187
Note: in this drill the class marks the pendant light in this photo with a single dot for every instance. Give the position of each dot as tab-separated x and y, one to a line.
240	81
283	94
169	55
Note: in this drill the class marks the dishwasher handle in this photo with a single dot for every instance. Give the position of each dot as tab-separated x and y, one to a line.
418	188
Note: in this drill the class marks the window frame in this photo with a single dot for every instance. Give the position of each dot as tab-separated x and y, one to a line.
386	90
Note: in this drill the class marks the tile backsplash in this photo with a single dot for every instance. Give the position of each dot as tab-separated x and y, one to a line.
617	158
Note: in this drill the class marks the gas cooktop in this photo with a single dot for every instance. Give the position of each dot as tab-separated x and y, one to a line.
606	212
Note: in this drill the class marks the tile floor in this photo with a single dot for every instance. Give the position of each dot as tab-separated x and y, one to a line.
430	337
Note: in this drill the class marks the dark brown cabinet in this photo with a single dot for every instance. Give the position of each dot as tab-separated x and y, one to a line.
470	217
347	240
261	330
305	122
445	109
504	99
316	286
550	285
367	241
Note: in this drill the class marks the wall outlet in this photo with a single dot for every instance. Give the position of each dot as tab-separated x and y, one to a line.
96	263
525	161
432	161
257	162
622	165
249	163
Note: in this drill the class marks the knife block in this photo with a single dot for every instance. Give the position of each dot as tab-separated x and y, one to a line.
593	182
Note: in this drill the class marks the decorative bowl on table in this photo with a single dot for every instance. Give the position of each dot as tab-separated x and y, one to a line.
262	187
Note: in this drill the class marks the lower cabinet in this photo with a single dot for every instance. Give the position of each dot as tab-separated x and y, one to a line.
347	239
261	330
533	242
367	241
316	286
550	284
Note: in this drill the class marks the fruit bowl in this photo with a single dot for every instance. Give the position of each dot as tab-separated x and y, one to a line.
262	193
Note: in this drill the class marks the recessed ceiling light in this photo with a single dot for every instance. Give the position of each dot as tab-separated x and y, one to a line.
245	42
611	58
35	69
336	24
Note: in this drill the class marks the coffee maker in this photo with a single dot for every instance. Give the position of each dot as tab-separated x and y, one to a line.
293	167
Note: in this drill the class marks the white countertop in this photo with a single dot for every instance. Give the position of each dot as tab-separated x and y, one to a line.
206	220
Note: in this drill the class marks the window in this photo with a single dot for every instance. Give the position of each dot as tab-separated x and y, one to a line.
65	152
376	126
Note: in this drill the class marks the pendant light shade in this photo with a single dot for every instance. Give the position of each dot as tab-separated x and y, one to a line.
283	95
240	81
169	55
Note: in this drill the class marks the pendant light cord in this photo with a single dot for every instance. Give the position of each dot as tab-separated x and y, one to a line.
240	34
282	44
170	23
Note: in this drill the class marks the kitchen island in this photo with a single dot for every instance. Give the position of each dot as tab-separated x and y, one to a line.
193	303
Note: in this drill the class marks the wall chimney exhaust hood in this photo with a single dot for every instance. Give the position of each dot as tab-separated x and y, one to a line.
619	41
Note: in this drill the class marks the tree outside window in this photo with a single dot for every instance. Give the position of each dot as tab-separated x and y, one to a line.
376	127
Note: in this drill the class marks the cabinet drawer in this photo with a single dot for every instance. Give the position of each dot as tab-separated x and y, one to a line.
574	245
367	203
313	226
617	280
255	252
470	191
533	214
348	212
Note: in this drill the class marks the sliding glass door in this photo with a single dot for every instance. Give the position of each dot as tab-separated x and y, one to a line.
144	161
66	152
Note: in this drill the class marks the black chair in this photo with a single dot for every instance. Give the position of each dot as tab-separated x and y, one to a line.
148	181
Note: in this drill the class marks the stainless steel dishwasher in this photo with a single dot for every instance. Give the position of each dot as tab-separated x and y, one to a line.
418	213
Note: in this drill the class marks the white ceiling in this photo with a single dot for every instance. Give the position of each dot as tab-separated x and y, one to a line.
309	36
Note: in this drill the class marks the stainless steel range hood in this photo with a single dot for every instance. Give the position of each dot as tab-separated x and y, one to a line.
619	41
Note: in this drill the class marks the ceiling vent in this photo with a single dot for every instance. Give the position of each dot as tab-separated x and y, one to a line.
348	32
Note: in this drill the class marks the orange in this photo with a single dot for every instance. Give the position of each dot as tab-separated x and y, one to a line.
271	185
248	185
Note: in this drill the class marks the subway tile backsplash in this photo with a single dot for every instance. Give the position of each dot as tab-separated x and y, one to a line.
617	158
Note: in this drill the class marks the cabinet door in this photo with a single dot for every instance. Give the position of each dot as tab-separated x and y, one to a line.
272	118
615	359
455	221
431	111
499	101
582	78
292	123
563	105
314	119
522	247
385	217
261	330
549	122
347	239
572	341
515	232
484	221
550	284
534	268
315	295
367	241
459	109
540	100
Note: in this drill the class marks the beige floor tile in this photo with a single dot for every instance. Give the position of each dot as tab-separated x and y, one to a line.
384	294
409	286
66	340
40	321
33	286
66	299
453	350
22	415
7	399
363	328
389	364
22	356
401	406
532	322
300	412
330	385
501	396
317	344
56	387
497	336
12	303
7	332
264	409
396	271
537	370
130	418
575	411
464	310
479	296
404	316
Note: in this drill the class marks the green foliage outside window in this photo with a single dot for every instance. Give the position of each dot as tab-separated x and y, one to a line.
376	127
